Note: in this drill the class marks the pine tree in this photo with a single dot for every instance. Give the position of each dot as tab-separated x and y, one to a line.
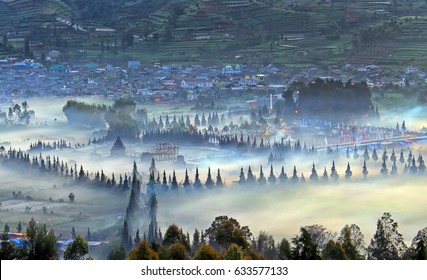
387	243
209	182
365	170
250	178
153	168
73	233
366	153
272	178
393	168
348	172
186	184
421	165
334	173
393	156
374	155
196	241
153	237
401	159
355	152
410	157
261	179
413	168
219	182
294	178
302	179
174	185
19	227
314	177
384	169
325	176
384	156
347	153
165	186
125	236
242	179
283	177
197	184
88	236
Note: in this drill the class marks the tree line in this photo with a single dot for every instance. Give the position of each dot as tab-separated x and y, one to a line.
226	239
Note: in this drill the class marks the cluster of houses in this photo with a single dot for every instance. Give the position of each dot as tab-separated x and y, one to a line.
164	82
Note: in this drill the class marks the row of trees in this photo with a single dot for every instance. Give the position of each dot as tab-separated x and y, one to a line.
17	114
249	179
123	118
48	165
326	99
227	239
40	243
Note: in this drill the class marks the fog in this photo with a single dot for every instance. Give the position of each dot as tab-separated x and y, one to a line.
280	209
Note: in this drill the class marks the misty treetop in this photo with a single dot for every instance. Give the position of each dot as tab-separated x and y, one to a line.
326	99
226	239
122	118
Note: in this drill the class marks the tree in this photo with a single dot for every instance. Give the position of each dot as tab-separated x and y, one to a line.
197	184
374	154
19	227
41	244
284	250
206	252
250	178
186	184
387	243
365	170
294	178
272	178
175	235
261	179
71	197
348	172
303	247
174	185
219	182
224	231
233	253
76	249
209	182
175	251
242	179
314	177
418	250
118	149
325	176
352	241
319	235
118	253
265	245
334	173
283	177
366	153
196	240
142	252
384	170
333	251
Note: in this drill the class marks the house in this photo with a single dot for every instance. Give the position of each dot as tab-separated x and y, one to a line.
248	81
193	83
134	64
229	70
53	54
59	68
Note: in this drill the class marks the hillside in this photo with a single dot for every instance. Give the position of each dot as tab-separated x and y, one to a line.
297	33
